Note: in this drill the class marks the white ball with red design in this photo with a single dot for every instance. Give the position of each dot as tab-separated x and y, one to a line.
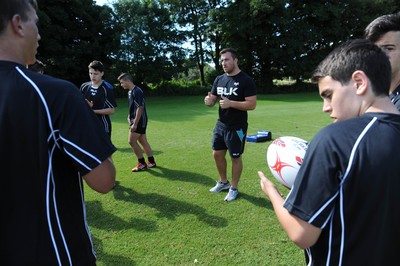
284	158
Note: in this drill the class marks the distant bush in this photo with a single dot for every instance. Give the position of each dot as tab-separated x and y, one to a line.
183	87
177	87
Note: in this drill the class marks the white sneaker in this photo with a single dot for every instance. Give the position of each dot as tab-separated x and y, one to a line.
220	186
232	194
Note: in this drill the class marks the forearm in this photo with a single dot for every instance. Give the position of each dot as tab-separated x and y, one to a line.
249	103
138	116
106	111
243	106
300	232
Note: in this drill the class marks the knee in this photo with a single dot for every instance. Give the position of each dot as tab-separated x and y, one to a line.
131	142
218	155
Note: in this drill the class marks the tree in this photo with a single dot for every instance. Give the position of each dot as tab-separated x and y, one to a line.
198	21
74	33
150	43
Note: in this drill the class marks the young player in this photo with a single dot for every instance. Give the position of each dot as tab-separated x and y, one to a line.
137	119
50	141
99	96
384	31
344	206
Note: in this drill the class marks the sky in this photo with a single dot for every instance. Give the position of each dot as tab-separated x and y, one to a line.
102	2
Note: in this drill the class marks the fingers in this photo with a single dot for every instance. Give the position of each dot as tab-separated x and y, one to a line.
261	174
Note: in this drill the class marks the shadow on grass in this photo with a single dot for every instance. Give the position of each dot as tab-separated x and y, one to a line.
98	246
184	176
99	218
258	201
129	150
167	207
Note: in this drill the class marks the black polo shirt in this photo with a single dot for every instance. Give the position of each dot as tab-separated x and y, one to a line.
49	138
348	185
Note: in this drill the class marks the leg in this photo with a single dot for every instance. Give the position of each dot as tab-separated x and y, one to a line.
220	162
237	166
145	144
132	139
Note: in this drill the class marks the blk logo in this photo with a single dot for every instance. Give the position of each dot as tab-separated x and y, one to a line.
227	91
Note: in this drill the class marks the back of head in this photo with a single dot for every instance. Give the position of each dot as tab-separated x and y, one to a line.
9	8
359	54
125	76
96	65
382	25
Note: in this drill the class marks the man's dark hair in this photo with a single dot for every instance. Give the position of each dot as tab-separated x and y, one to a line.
382	25
358	54
230	50
9	8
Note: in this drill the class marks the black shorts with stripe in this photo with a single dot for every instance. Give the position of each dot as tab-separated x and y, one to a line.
233	140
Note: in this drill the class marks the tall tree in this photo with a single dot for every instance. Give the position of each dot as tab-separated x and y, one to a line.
150	43
74	33
197	19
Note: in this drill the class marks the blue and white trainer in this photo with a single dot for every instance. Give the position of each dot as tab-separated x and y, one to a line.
232	194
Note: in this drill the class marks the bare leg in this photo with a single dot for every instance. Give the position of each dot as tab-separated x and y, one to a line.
220	162
237	166
132	139
145	144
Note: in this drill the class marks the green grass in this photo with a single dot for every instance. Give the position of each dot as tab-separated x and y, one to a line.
167	216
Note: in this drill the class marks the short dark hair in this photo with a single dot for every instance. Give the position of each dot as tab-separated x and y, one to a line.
230	50
9	8
125	76
353	55
382	25
96	65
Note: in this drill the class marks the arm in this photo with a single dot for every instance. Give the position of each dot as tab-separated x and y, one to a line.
300	232
105	111
249	103
137	118
101	178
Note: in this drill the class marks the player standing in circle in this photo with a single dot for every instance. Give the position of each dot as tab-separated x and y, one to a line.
137	119
348	182
50	141
237	92
384	31
99	96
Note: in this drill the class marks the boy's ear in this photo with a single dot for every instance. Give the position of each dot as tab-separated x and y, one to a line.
361	82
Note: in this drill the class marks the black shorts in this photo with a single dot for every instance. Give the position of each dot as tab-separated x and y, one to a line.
140	129
229	139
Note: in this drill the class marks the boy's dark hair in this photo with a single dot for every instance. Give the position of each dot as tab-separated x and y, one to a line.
96	65
358	54
230	50
125	76
382	25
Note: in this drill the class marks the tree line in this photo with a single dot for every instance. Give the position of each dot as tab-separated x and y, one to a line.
173	46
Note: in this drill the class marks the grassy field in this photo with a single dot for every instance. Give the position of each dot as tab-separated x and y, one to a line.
167	216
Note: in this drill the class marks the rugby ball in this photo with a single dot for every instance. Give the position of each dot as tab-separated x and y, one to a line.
284	158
